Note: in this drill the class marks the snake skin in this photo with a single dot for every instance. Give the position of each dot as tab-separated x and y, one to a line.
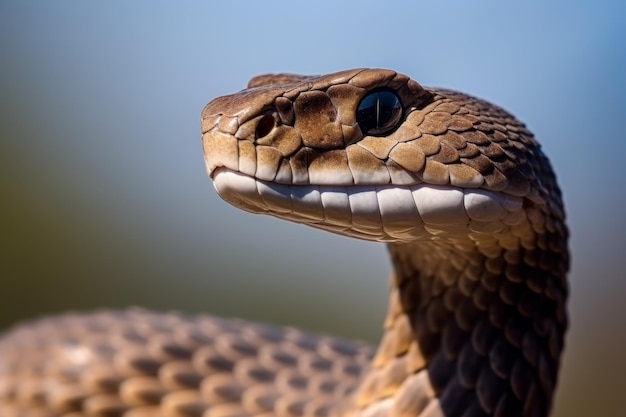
477	310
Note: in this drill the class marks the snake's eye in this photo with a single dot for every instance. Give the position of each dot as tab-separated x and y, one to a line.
379	112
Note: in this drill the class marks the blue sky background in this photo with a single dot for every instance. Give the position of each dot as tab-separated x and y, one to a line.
105	201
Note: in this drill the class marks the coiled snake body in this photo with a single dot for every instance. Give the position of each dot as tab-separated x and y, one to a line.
474	222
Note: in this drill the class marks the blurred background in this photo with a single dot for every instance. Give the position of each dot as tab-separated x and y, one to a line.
104	200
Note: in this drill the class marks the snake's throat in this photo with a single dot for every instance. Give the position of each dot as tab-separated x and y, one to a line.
376	212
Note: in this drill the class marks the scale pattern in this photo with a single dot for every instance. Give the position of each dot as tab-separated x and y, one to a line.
140	363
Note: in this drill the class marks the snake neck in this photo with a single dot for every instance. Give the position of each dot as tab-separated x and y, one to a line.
469	333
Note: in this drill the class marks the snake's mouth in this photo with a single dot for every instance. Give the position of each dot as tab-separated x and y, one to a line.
373	212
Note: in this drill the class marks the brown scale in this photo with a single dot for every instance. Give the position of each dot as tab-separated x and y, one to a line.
475	323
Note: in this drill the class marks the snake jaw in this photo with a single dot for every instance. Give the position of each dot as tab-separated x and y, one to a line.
384	213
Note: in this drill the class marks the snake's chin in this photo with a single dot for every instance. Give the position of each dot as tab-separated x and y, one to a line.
386	213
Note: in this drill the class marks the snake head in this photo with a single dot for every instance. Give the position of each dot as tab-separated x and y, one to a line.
366	152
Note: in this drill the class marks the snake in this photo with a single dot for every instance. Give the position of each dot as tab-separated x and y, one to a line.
458	189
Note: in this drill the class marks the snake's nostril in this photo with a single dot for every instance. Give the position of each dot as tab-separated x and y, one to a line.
265	126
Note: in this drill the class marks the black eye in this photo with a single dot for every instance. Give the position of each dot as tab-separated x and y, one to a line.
379	112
